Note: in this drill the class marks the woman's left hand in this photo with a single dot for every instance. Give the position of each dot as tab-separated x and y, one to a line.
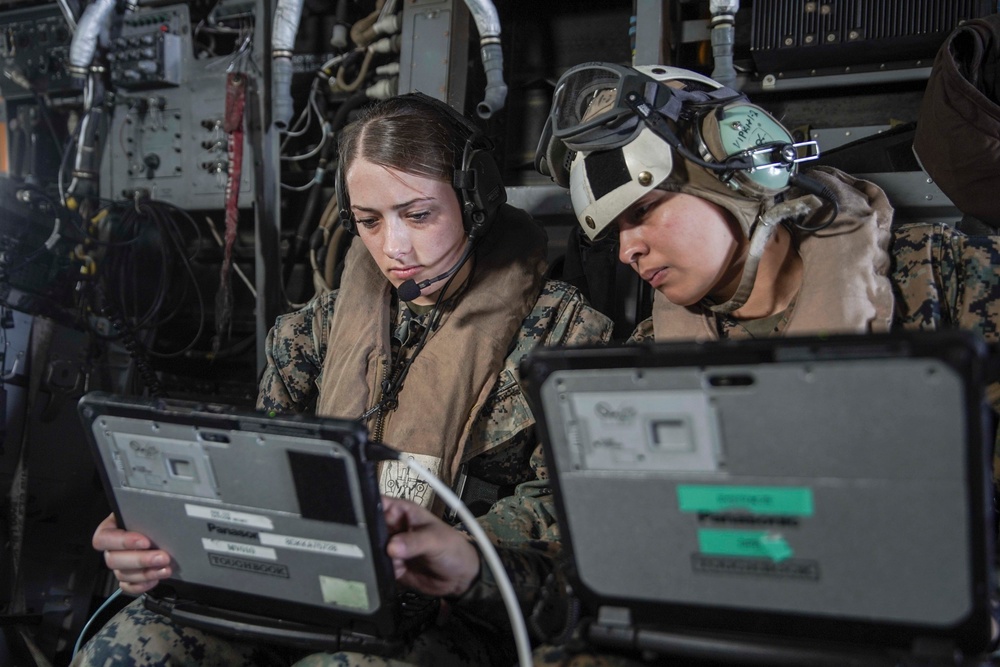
428	554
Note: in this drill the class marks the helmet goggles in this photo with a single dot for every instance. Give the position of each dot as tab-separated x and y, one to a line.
590	113
588	108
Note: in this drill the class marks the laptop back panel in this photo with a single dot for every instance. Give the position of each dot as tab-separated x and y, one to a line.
277	518
832	489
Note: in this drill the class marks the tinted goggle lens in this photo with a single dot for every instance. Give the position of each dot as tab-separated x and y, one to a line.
591	97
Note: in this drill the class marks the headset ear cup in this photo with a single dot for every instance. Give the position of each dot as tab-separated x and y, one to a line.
343	203
481	202
734	130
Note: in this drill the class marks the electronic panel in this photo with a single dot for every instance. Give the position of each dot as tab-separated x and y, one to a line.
147	52
167	139
792	36
34	50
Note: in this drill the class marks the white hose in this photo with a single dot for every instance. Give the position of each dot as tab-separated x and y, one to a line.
723	37
96	18
484	13
286	24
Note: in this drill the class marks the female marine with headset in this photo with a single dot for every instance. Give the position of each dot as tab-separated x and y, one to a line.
438	303
704	197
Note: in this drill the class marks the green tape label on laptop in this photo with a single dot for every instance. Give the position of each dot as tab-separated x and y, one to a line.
785	501
750	543
344	592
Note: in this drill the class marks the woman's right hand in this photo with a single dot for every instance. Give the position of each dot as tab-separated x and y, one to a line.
137	567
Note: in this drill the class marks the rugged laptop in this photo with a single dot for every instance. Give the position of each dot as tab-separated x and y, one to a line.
274	522
780	501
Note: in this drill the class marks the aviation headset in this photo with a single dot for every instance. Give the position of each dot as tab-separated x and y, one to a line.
476	178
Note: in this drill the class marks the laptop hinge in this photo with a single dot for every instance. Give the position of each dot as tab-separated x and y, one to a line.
614	616
935	650
613	627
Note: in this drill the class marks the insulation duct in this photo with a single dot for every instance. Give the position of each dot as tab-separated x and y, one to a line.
286	24
484	13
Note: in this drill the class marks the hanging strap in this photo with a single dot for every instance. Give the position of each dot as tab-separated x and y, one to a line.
232	125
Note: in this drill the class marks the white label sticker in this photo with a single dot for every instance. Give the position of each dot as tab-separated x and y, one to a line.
227	516
308	544
398	480
250	550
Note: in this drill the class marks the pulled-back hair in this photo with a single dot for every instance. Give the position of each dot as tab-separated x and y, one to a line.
407	134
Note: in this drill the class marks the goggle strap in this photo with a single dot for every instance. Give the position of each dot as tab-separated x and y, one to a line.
653	119
659	126
674	108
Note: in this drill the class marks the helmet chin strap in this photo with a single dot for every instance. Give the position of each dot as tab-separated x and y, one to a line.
762	233
758	242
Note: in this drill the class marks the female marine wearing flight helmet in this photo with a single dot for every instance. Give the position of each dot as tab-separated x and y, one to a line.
441	297
704	194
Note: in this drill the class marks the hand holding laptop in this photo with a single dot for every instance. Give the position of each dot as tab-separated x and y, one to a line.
428	554
137	567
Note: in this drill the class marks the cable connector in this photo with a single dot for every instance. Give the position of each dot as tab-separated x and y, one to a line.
390	25
376	451
386	45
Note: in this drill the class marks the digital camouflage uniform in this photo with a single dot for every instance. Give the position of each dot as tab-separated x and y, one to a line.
941	279
473	630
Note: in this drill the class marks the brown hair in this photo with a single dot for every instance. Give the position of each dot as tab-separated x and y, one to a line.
404	133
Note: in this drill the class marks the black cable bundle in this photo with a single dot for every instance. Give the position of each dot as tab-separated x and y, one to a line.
135	349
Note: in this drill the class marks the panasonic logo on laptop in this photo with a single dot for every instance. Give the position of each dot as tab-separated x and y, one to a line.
235	532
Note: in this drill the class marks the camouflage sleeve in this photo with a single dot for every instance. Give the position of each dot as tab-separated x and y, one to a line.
523	526
561	317
294	351
570	321
577	322
945	279
643	333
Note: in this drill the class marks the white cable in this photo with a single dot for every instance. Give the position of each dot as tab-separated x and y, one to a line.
336	59
83	632
387	9
302	123
324	137
489	552
299	188
55	235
